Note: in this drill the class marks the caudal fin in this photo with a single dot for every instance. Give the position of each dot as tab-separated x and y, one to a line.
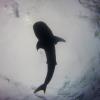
58	39
42	87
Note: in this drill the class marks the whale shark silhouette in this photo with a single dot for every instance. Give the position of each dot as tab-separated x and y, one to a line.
46	41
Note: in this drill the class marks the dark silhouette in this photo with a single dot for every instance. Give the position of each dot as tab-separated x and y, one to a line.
46	41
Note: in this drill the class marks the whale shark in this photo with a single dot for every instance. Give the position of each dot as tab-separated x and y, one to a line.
46	41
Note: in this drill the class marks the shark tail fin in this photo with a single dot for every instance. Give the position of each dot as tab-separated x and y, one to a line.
41	87
58	39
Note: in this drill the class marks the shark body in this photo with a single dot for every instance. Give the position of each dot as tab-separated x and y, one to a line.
46	41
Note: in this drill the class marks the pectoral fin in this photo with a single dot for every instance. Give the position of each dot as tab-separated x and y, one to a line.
58	39
38	46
